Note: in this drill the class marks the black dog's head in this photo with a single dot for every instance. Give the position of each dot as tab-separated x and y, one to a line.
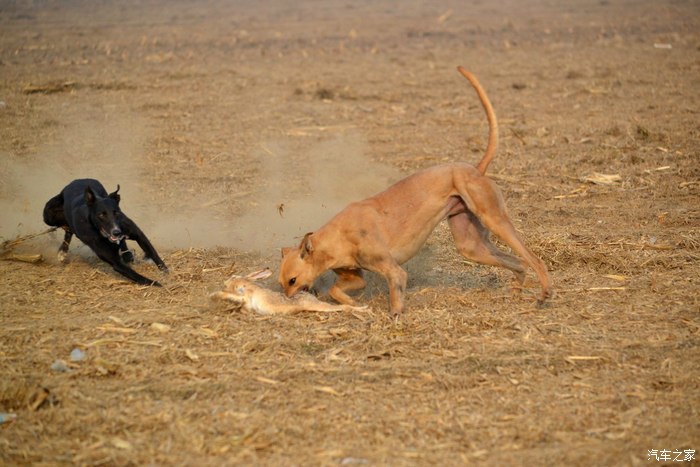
105	214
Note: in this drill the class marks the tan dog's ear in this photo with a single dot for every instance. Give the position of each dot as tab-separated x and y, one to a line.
286	251
306	247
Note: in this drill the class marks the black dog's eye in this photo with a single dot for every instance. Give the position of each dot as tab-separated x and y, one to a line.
292	281
102	215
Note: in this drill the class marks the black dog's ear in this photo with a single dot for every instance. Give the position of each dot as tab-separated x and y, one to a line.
89	196
115	195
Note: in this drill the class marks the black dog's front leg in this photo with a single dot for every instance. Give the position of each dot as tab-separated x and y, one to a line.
126	271
110	254
132	231
124	251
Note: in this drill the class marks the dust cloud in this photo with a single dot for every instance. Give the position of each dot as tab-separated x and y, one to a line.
297	191
330	175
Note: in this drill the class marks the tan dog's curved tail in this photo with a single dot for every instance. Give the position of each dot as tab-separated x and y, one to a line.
490	115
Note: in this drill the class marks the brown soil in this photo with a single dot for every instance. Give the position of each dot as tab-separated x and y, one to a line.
235	127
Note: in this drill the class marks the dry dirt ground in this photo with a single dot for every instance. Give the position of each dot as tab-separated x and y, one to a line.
213	115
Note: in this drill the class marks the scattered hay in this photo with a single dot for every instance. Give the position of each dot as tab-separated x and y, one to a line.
472	373
8	246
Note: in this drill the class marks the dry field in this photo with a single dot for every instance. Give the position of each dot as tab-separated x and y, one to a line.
234	127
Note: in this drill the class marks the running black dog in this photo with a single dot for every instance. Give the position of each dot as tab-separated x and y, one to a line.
85	209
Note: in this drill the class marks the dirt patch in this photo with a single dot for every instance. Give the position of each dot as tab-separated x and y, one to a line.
234	128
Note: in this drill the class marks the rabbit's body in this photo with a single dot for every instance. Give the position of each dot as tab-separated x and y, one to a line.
253	297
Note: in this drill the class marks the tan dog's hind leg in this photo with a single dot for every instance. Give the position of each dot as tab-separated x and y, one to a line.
348	280
484	198
472	241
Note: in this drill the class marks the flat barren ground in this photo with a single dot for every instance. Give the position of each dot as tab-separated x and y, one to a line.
234	127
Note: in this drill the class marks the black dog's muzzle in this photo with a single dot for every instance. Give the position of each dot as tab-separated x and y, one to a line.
115	236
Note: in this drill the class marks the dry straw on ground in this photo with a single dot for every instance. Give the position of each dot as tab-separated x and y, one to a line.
213	115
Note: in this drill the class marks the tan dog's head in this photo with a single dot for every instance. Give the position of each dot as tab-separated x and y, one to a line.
298	270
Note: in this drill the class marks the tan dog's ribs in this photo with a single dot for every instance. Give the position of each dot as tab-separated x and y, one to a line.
382	232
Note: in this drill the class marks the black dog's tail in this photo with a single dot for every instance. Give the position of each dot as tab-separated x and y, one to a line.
490	115
53	212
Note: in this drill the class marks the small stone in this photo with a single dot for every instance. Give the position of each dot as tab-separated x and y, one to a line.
7	417
60	366
77	355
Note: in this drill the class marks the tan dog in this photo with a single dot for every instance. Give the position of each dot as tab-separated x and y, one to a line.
382	232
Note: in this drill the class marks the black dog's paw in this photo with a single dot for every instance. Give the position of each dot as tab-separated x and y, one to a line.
127	256
164	268
62	257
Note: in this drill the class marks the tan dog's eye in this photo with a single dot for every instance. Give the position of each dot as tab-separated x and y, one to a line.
292	281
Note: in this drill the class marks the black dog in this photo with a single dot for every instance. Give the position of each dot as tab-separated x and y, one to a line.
85	209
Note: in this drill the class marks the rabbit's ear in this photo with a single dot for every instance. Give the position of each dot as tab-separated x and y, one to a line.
262	274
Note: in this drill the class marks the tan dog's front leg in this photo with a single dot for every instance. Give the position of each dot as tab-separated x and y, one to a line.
396	279
348	281
397	286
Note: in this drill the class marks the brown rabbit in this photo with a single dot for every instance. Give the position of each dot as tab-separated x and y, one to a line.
252	297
